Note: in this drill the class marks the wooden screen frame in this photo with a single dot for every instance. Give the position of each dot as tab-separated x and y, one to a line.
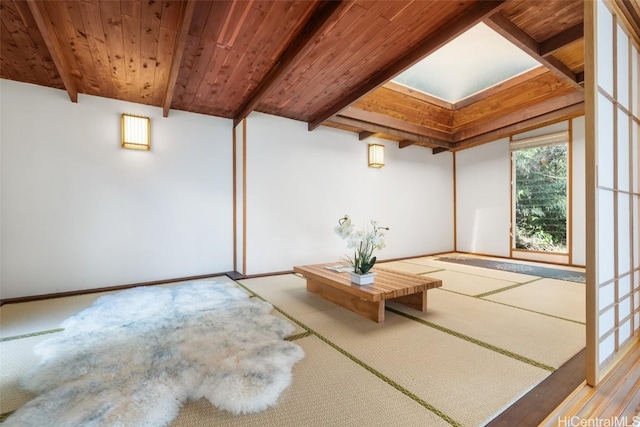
599	365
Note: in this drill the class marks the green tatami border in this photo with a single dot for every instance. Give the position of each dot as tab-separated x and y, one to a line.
513	306
33	334
359	362
475	341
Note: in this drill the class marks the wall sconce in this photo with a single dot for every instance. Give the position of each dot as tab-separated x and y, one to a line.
376	155
136	132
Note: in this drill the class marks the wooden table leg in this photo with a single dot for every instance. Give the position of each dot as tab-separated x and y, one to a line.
417	301
369	309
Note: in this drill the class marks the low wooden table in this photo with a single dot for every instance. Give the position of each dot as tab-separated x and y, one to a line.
368	300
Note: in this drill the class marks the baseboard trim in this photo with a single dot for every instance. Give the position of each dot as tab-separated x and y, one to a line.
233	275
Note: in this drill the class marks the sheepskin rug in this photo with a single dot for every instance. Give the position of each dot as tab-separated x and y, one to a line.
133	358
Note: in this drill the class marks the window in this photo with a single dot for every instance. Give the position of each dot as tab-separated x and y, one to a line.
540	193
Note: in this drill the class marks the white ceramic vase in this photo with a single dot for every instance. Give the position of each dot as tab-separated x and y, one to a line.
362	279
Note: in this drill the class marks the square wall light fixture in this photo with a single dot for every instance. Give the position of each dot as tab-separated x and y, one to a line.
136	132
376	155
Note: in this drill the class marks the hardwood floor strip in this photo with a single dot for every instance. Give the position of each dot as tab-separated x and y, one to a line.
534	406
615	399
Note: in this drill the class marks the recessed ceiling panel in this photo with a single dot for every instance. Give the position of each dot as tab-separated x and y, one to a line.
472	62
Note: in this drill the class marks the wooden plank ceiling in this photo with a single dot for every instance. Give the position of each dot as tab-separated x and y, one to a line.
321	62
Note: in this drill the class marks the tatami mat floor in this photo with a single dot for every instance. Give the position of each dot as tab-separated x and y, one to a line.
486	339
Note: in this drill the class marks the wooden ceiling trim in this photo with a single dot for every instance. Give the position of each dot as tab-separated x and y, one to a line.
364	135
392	122
565	38
451	30
526	94
494	90
439	150
521	114
41	17
406	108
503	26
385	130
189	6
556	116
316	24
399	88
405	143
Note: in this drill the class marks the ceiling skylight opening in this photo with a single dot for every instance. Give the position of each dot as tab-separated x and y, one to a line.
472	62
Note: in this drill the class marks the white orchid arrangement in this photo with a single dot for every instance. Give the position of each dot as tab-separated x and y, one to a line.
364	242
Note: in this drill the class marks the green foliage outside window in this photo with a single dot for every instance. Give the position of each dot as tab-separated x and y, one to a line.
541	198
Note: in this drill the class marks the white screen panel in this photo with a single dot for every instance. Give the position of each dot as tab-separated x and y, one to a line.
623	67
624	241
624	308
605	45
636	231
624	286
623	151
606	296
607	321
605	236
606	348
635	155
635	84
624	333
605	142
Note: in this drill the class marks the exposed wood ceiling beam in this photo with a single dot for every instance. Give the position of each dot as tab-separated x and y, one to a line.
451	30
405	90
179	47
406	143
507	84
557	42
503	26
431	142
565	113
315	25
521	114
364	135
438	150
392	122
41	16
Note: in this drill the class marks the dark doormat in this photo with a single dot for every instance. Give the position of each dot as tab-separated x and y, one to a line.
546	272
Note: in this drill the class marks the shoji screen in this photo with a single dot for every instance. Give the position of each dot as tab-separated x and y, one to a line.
613	186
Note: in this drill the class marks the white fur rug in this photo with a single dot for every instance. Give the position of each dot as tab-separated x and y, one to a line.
134	357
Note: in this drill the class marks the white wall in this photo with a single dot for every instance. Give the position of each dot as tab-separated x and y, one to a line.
578	205
483	199
299	183
79	212
483	188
